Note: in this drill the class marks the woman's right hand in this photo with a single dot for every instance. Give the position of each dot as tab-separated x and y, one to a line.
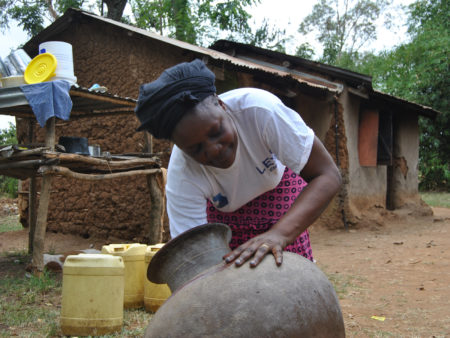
257	248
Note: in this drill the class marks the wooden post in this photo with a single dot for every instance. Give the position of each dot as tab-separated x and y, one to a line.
32	200
148	142
156	210
37	262
50	133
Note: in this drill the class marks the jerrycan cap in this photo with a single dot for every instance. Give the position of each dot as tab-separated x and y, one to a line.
42	68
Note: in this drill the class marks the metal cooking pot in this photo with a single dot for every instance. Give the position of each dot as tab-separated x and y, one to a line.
75	145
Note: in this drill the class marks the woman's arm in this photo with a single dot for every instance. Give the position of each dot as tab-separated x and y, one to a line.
324	180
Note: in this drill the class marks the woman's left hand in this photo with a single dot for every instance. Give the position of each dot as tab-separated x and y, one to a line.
257	247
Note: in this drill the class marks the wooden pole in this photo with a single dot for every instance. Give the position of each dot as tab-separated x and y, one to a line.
67	158
32	200
156	210
37	261
148	142
63	171
50	133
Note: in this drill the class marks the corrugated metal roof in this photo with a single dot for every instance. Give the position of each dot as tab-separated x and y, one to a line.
351	78
64	20
418	108
348	76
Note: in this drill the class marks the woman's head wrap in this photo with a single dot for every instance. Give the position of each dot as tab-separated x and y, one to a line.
163	102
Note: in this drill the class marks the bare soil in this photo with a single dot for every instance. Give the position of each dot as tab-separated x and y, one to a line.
398	272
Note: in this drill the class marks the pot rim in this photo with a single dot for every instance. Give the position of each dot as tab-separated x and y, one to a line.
163	254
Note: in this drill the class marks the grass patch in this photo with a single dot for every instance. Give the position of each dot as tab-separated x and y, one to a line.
10	223
436	199
31	306
135	322
28	305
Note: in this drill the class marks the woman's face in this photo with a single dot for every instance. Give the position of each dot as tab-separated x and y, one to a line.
207	134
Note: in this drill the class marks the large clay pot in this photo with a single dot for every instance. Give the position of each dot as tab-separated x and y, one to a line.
214	299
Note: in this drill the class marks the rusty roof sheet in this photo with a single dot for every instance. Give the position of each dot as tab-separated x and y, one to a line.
64	20
418	108
241	63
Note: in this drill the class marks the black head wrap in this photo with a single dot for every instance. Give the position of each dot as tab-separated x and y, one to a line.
163	102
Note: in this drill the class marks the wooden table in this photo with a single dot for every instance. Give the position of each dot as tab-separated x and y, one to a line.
44	161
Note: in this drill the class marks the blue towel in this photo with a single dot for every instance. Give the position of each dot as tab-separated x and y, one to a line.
48	99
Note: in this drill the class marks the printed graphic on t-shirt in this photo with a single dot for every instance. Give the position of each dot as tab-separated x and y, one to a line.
220	201
269	164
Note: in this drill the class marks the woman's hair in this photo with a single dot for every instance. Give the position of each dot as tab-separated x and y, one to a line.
163	102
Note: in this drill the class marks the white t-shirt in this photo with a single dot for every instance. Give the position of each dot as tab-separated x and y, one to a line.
271	136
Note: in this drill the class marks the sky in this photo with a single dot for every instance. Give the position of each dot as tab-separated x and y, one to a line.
285	14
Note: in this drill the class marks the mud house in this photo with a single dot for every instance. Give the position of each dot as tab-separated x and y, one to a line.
373	137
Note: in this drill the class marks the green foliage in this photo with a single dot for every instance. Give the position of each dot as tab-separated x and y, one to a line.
267	37
32	14
8	135
8	185
29	15
63	5
423	76
418	71
172	18
200	22
344	25
305	50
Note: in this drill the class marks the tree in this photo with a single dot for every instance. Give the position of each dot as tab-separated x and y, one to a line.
33	14
343	25
198	22
429	84
8	185
305	50
115	8
418	71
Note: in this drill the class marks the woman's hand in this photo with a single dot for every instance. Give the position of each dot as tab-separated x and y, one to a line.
324	180
257	247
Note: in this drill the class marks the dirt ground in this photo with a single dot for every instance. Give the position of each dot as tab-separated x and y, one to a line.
398	271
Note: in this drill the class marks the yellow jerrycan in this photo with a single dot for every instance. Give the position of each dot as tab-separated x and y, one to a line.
92	295
154	294
133	258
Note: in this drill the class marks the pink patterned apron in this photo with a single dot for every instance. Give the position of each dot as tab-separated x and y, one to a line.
258	215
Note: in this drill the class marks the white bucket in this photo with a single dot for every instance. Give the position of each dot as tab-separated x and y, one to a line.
63	54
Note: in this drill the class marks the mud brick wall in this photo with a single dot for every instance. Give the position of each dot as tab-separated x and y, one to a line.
117	210
114	209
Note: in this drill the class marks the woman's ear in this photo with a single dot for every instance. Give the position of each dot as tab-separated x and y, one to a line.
222	104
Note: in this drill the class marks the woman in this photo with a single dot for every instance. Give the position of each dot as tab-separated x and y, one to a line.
237	160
